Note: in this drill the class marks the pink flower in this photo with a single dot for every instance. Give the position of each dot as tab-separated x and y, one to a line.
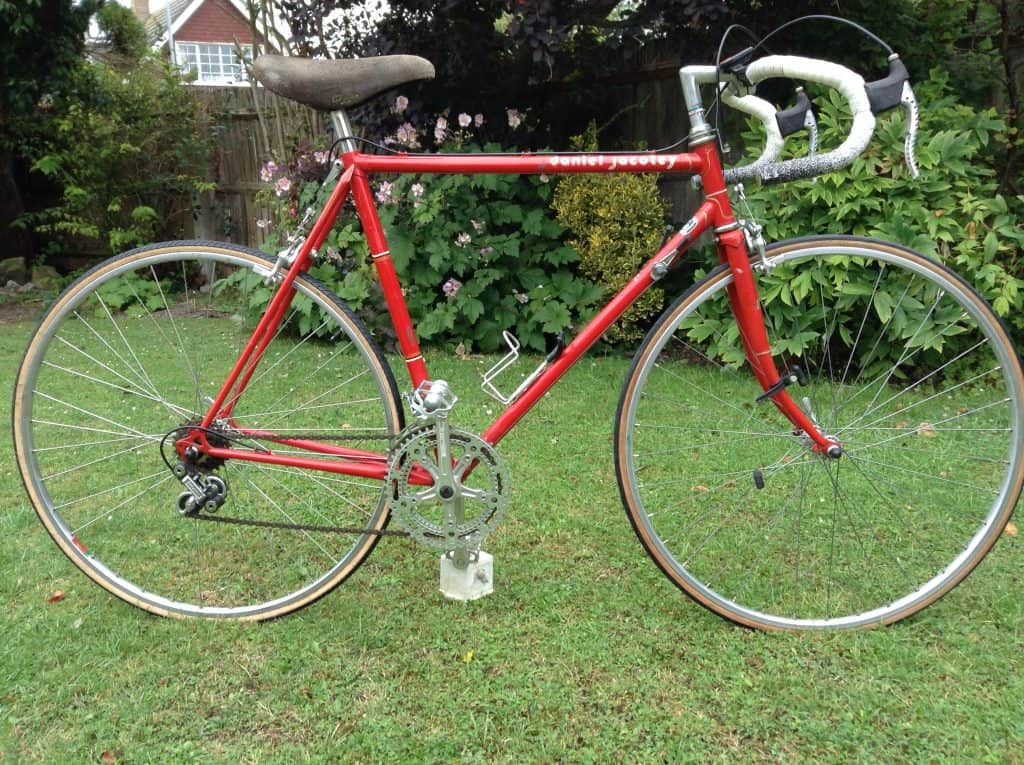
268	171
450	287
485	252
478	226
406	134
383	194
262	223
463	239
478	120
321	157
514	118
416	190
401	103
464	120
282	186
543	178
440	129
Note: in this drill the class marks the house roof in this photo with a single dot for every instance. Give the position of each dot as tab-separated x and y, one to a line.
182	10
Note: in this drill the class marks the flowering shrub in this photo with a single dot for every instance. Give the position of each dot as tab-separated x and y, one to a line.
476	254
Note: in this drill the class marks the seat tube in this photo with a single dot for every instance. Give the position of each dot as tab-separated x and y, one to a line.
389	283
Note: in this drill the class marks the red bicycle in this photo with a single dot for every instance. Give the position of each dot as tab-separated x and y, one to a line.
206	431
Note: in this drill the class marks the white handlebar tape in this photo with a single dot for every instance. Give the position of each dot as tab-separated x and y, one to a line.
764	111
848	83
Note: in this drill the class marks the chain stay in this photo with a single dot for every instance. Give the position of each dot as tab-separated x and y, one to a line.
305	526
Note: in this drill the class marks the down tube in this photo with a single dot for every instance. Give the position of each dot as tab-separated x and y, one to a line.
597	326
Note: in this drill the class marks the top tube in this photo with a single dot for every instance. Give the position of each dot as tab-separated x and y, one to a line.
529	163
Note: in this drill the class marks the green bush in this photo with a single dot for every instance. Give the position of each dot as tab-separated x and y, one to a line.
476	254
952	212
124	146
616	223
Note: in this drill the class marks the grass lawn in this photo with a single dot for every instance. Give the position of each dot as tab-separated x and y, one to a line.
585	652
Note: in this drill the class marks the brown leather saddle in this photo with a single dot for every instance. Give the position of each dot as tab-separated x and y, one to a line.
331	84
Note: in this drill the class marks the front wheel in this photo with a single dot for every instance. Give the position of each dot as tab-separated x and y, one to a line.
901	362
129	357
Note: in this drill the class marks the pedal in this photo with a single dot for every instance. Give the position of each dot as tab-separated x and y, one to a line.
794	375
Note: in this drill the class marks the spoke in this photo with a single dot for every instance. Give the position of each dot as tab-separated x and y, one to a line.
747	415
140	368
141	380
929	476
872	483
826	341
281	413
134	388
101	418
307	501
121	433
911	387
907	353
913	431
165	477
90	463
311	375
747	575
832	547
717	442
174	325
306	338
882	333
903	449
310	403
860	329
284	513
120	388
323	480
98	442
706	429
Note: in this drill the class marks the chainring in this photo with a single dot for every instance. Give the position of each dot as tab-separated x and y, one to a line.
480	484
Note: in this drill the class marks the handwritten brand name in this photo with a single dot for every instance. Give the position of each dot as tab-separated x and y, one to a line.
613	162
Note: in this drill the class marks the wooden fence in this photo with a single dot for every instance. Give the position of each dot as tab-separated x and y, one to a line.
250	126
253	125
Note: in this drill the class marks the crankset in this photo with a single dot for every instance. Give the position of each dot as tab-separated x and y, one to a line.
448	488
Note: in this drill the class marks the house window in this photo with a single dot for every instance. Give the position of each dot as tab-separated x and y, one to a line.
214	63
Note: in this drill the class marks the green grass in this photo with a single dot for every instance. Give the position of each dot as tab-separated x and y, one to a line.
585	652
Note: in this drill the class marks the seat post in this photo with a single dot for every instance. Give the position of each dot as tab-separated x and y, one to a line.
343	130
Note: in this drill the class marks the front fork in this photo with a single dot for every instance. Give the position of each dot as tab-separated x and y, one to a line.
735	249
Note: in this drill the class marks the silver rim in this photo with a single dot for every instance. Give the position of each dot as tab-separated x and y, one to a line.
930	473
134	350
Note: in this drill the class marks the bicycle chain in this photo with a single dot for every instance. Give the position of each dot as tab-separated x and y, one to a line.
298	526
305	526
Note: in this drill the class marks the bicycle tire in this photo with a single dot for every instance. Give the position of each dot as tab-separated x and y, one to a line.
137	347
905	364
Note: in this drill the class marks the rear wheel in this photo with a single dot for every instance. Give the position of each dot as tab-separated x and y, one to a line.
135	350
903	363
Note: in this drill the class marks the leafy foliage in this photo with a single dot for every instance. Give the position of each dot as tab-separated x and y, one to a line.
952	213
477	254
124	144
616	223
43	43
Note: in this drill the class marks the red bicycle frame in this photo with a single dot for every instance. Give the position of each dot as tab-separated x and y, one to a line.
714	214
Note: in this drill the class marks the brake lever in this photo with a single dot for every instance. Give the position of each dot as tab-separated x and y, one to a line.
910	139
892	91
799	117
